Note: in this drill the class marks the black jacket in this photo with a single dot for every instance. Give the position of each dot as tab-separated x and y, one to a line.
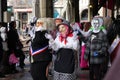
13	38
40	41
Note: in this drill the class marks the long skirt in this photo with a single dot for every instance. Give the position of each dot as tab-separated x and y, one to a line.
64	65
63	76
83	63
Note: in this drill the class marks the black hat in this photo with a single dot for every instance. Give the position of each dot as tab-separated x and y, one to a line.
65	23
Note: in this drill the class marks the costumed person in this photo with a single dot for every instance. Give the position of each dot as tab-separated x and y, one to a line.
54	33
114	38
66	44
15	46
31	31
113	73
83	64
96	49
57	21
2	38
40	52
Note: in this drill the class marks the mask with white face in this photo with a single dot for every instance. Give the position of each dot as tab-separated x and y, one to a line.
40	28
96	23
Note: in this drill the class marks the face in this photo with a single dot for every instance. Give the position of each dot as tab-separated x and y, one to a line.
39	24
62	29
96	24
14	24
58	21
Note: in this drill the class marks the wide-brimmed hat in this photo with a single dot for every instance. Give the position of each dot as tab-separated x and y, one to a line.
65	23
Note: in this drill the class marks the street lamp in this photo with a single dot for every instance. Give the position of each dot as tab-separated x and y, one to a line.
89	12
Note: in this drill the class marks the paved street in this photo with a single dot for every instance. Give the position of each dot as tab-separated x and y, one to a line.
25	75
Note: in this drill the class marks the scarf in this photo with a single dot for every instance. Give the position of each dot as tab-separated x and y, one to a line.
64	38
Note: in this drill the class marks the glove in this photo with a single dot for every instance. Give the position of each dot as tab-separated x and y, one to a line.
2	29
95	53
75	36
48	36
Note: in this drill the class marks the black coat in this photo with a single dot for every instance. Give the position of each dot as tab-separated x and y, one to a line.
13	38
40	41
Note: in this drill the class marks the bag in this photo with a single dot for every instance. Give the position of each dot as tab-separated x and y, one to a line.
13	59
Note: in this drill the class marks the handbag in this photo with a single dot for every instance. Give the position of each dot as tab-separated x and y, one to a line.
13	59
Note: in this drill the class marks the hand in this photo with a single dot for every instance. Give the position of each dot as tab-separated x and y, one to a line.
2	29
75	36
95	53
48	36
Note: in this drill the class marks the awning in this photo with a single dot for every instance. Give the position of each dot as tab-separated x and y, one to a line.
23	10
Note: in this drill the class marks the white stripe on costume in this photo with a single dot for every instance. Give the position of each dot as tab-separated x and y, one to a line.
114	44
38	51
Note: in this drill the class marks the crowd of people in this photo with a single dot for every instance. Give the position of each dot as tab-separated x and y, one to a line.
64	44
11	50
57	52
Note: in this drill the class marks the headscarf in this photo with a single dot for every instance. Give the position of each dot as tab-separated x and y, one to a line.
68	32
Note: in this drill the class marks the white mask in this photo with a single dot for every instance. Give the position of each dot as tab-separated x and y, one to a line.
96	24
40	28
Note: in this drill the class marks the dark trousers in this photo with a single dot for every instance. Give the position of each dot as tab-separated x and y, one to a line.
38	70
19	53
95	71
1	55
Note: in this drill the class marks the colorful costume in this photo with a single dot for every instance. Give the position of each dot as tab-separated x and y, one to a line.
40	52
96	49
65	46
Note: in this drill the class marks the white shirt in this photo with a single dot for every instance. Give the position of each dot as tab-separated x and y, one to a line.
72	43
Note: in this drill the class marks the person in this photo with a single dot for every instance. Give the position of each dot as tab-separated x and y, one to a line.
96	49
1	49
113	38
65	49
54	33
31	32
76	26
40	52
15	46
57	21
113	72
